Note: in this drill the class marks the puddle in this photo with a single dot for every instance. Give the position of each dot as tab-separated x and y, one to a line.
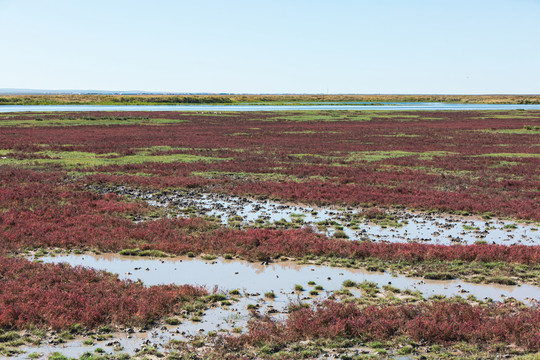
413	227
253	280
281	277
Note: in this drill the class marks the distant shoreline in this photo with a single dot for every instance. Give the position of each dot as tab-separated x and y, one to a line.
284	109
238	99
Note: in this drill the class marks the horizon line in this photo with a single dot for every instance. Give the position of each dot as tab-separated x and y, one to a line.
23	91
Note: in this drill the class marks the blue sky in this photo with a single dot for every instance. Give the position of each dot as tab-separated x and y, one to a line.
298	46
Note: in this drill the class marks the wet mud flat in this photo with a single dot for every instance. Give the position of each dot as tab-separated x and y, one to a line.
248	287
391	225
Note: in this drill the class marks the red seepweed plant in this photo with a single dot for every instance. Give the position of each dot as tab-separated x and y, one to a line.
59	296
439	322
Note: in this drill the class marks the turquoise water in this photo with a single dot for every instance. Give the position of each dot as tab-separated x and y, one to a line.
219	108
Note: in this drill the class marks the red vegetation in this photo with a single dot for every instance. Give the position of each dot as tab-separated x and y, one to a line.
452	175
58	296
433	322
297	243
443	170
41	211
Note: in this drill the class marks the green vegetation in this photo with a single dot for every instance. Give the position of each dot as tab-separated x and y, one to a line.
375	155
274	176
511	155
381	155
525	131
172	321
87	121
340	234
475	272
112	100
73	159
139	252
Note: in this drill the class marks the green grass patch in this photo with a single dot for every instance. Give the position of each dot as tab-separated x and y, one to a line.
381	155
88	121
513	131
375	155
401	135
139	252
72	159
253	176
509	155
342	115
311	132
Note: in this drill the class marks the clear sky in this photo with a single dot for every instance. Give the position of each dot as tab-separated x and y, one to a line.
277	46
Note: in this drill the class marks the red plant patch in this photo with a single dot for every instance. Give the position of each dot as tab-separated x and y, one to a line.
451	161
58	296
442	322
41	211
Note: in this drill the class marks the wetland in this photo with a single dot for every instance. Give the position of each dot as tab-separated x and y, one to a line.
274	234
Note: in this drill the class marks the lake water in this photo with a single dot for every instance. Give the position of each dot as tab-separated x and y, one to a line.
217	108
